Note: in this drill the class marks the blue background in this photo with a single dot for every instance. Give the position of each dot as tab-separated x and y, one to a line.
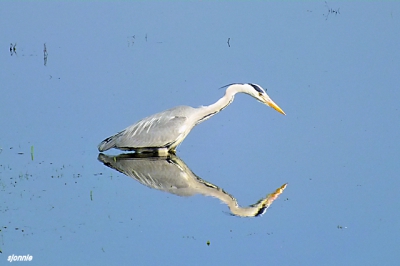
332	67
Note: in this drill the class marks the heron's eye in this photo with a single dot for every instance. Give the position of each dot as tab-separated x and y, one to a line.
259	94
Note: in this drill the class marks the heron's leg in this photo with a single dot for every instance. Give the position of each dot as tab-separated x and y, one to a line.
162	152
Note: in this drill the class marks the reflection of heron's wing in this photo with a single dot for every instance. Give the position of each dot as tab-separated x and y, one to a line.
162	173
170	174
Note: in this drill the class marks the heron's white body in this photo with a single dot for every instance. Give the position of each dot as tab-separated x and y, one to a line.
163	132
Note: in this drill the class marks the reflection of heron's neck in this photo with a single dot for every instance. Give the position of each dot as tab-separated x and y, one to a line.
211	190
208	189
208	111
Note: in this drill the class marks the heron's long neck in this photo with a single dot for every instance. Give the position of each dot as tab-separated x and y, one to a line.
206	112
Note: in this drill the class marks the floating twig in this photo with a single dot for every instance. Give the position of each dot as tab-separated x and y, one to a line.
13	48
45	54
331	10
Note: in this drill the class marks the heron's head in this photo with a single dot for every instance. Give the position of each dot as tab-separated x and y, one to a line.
259	93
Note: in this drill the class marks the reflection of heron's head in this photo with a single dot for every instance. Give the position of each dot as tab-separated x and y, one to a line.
259	208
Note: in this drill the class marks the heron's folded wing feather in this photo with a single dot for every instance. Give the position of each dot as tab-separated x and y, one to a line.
154	131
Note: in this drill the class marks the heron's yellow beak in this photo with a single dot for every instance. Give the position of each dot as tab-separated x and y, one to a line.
272	104
276	107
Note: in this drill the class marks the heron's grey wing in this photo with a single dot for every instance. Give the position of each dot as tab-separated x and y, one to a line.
159	130
156	131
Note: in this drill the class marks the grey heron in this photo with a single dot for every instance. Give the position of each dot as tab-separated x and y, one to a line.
170	174
163	132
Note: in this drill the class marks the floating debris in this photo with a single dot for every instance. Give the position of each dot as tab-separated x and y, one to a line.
131	40
45	54
331	11
13	48
32	152
91	195
208	242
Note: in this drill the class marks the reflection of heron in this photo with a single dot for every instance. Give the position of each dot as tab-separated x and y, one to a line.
163	132
170	174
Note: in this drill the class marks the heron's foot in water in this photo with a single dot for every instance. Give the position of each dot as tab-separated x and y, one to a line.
150	151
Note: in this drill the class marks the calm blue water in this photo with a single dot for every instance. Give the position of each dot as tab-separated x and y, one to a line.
332	67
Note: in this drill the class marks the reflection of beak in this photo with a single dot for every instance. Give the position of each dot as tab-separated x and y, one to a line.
271	103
